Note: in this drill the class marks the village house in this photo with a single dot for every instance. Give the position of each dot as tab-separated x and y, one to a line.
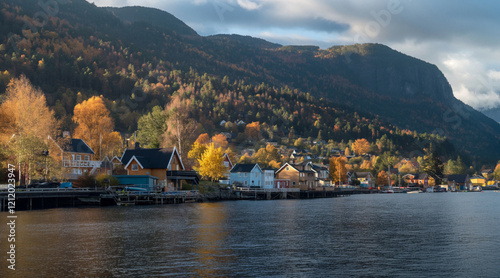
459	182
165	164
365	179
75	156
421	179
247	175
227	164
297	176
111	166
268	178
478	181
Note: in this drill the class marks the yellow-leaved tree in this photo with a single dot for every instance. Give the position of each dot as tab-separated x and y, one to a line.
26	123
211	163
95	127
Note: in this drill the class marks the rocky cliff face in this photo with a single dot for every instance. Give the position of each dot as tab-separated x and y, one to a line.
406	91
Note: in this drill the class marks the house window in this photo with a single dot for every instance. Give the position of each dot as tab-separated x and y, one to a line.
135	167
245	183
78	157
246	174
287	168
87	158
177	167
240	175
226	164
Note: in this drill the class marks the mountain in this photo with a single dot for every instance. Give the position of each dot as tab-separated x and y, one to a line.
493	113
152	16
114	51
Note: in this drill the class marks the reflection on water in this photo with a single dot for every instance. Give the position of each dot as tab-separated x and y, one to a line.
393	235
211	232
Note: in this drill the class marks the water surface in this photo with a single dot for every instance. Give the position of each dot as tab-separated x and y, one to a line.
392	235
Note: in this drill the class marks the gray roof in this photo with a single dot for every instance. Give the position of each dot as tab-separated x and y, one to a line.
78	146
243	168
458	178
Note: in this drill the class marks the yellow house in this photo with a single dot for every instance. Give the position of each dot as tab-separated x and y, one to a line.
165	164
297	176
478	181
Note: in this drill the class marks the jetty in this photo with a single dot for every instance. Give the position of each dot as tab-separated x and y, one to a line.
45	198
290	193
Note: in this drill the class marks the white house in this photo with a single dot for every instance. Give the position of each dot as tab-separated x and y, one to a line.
246	175
268	178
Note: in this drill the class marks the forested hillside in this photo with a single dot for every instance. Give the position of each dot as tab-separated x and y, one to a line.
138	58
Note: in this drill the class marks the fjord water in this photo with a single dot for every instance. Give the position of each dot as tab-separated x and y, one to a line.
391	235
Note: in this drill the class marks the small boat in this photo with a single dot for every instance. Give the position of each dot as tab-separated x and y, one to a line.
414	191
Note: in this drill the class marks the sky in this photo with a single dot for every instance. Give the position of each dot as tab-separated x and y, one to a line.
461	37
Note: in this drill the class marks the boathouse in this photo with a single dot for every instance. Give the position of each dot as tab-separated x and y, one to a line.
165	164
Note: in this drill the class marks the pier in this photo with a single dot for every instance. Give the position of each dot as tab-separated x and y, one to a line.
290	193
45	198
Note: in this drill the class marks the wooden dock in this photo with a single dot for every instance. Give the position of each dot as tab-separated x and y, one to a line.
290	193
45	198
127	198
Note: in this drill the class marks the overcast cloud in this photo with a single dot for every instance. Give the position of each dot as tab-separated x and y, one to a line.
460	37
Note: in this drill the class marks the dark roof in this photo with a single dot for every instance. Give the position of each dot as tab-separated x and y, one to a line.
78	146
306	171
318	168
458	178
363	174
243	168
149	158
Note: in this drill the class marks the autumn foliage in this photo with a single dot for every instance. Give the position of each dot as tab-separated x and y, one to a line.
211	163
95	127
361	146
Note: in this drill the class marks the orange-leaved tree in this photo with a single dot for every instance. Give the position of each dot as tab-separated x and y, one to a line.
220	140
360	146
252	130
382	178
337	164
95	127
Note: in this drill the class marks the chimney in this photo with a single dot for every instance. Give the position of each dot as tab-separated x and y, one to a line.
137	145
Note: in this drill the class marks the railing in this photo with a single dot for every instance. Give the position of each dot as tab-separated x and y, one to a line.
268	189
81	163
56	189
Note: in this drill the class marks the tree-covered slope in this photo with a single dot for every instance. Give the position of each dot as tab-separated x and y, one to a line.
141	56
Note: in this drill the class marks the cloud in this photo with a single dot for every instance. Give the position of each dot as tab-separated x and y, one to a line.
249	5
459	37
474	83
